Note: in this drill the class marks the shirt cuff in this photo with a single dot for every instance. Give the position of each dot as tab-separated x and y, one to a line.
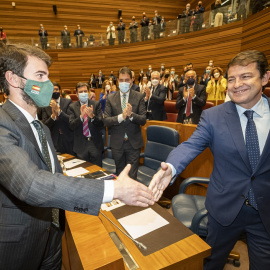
193	97
53	118
108	191
173	173
120	118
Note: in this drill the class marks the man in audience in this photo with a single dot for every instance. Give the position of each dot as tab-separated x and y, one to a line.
154	99
133	30
65	37
134	86
190	100
237	133
121	31
186	19
113	77
31	181
100	79
124	114
173	81
206	77
56	118
197	25
149	72
86	121
162	70
182	82
79	34
162	26
43	37
156	23
144	29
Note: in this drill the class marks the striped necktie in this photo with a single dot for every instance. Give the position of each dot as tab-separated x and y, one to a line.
46	155
86	131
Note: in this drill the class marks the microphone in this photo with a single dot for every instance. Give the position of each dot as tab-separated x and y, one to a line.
139	244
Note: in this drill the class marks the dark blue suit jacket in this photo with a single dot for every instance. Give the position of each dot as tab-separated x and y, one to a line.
220	130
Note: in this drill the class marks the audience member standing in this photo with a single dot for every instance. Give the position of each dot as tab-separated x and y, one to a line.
86	122
100	79
186	19
141	75
121	31
124	115
111	34
149	72
106	90
217	85
92	81
3	36
162	25
65	37
79	34
190	100
154	99
165	82
218	14
206	77
172	83
134	86
43	37
113	77
144	27
198	13
156	23
56	118
143	84
133	30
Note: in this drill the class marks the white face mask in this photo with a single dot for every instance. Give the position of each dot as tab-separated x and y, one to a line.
124	87
155	82
216	75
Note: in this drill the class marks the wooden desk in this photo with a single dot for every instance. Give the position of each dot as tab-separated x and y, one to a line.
87	245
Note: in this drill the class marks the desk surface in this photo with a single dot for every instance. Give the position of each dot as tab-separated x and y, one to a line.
89	246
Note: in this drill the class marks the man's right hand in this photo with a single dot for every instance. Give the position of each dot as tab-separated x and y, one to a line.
130	191
185	93
83	108
160	181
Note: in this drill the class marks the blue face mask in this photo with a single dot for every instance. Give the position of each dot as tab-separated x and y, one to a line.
124	87
172	72
83	97
208	71
40	92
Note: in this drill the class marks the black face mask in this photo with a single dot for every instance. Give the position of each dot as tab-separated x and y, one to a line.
121	20
56	95
200	5
133	19
167	75
190	81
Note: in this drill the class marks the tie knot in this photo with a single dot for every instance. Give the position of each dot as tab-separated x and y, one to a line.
124	95
36	124
249	114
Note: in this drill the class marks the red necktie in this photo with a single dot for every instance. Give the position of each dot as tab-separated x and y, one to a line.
86	132
188	105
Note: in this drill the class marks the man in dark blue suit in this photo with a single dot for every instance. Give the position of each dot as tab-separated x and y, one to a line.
238	194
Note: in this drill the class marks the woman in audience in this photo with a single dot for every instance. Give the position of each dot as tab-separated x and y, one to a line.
165	82
217	85
141	75
106	90
144	83
206	77
218	14
92	81
111	34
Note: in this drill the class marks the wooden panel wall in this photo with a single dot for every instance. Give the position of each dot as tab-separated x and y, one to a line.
93	15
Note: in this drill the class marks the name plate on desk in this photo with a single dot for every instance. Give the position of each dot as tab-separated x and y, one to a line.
161	237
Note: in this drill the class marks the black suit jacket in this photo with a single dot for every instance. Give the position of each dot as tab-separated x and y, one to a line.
197	103
156	103
131	128
95	126
62	135
135	87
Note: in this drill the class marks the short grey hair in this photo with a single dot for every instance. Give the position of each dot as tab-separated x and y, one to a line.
155	73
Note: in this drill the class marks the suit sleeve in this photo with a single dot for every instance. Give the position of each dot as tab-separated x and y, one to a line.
184	153
140	117
46	118
74	120
180	102
38	187
109	119
64	115
98	120
161	97
200	98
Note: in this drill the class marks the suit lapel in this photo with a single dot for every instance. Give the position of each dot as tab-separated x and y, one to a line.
234	126
22	123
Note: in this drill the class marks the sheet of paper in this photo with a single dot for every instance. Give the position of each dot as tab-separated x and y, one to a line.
72	163
77	171
142	222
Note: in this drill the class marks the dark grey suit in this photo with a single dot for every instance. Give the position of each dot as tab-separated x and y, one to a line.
62	135
125	152
87	149
28	191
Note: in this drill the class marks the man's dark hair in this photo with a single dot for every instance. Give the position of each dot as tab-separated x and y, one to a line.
189	64
56	84
125	70
14	58
247	57
81	84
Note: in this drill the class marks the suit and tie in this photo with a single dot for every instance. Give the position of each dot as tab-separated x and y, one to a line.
28	191
61	134
197	102
155	104
87	148
126	137
65	37
221	129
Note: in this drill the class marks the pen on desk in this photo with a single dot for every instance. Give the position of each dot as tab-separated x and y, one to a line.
139	244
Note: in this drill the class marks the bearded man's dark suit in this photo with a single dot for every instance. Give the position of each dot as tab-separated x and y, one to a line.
62	135
87	149
28	190
132	128
197	104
